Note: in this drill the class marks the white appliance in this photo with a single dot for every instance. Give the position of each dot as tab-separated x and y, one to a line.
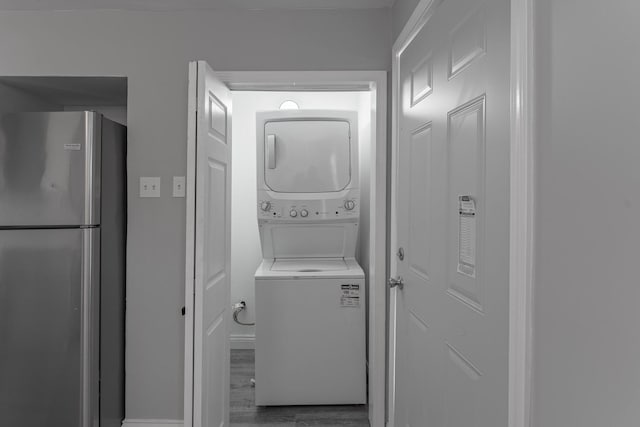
310	291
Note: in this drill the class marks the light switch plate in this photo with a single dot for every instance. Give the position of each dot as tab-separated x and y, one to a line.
149	186
178	186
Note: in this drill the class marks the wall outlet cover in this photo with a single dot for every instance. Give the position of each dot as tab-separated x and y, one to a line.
149	186
178	186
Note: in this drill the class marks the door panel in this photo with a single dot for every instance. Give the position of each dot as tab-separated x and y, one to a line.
212	250
214	399
424	402
216	212
468	42
48	321
419	150
452	314
465	127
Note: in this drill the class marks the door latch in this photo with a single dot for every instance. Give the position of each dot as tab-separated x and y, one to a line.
401	254
393	282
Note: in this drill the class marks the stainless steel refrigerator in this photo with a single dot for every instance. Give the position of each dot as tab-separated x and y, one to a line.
62	269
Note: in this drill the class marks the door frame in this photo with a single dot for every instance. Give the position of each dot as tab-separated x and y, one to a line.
376	83
522	208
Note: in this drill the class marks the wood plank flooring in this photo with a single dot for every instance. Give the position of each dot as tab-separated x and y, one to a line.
244	412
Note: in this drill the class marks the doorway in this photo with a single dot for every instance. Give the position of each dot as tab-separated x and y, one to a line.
246	253
361	91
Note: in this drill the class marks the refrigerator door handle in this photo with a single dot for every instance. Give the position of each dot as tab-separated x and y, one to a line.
90	326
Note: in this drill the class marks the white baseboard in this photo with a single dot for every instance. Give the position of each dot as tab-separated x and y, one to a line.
243	342
152	423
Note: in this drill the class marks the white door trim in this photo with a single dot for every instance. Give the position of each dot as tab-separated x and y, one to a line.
522	174
522	210
376	82
190	263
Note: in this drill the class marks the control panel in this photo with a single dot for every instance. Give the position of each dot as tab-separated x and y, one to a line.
308	209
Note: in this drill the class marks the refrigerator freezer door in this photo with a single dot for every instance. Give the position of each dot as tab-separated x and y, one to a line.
48	322
49	169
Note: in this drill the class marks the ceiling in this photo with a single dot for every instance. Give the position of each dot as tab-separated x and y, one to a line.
173	5
76	91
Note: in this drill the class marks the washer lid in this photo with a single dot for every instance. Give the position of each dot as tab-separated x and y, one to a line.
318	268
308	265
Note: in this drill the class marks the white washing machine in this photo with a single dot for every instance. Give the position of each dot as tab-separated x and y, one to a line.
310	291
310	333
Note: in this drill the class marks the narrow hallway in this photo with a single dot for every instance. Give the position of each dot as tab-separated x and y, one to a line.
244	413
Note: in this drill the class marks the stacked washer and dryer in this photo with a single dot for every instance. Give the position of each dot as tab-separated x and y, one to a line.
309	289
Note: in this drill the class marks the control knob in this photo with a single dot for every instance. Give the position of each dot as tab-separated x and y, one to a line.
293	213
349	205
304	213
265	206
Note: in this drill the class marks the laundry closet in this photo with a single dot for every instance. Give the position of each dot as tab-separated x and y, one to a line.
300	233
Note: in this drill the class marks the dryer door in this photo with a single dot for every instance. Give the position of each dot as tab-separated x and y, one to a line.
307	156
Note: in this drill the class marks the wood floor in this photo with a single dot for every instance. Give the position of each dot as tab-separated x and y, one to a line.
244	412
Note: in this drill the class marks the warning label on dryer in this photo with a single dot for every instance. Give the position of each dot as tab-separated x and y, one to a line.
350	296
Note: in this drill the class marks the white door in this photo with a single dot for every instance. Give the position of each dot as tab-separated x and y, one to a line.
451	324
212	102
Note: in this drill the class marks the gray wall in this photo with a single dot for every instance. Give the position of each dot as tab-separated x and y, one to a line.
587	286
152	49
12	99
401	12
